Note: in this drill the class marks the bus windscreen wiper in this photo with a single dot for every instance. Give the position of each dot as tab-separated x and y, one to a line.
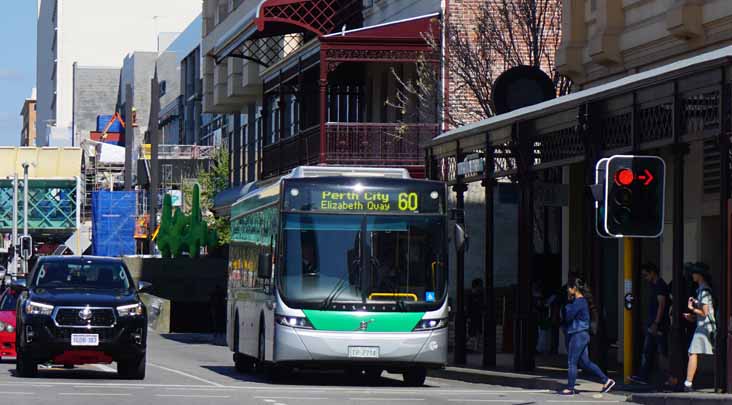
336	291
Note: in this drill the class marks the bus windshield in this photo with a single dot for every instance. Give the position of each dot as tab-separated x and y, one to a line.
364	259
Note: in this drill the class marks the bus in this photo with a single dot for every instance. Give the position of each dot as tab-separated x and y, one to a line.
340	268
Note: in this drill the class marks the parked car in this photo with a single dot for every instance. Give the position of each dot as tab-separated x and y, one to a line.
8	301
81	310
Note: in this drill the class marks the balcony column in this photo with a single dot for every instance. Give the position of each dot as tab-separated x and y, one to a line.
323	83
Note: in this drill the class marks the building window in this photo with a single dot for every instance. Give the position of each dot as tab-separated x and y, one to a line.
163	87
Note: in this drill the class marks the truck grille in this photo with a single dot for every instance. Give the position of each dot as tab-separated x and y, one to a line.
100	318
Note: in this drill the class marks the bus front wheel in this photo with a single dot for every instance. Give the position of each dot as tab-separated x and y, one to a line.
414	377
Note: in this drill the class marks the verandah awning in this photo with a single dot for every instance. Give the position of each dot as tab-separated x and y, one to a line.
396	41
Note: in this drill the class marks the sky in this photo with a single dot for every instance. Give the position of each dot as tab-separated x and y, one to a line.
17	65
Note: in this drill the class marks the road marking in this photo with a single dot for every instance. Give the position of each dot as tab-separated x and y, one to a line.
186	375
192	396
105	368
267	399
386	399
117	388
509	401
16	393
583	402
85	394
213	389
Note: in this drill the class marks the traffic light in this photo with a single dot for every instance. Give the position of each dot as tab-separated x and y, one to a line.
26	247
633	201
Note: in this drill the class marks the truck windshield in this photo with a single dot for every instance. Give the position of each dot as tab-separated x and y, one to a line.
81	275
363	259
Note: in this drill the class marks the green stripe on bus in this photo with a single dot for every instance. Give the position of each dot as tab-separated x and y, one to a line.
351	321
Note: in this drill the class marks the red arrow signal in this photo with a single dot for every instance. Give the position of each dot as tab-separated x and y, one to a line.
650	178
647	178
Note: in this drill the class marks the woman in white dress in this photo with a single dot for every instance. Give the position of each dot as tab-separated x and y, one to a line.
702	312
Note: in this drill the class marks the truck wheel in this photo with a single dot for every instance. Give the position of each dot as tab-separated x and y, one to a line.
132	369
415	377
243	363
25	366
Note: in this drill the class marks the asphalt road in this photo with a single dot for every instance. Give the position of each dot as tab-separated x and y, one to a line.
183	371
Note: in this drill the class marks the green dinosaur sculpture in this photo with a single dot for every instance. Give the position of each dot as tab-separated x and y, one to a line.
181	233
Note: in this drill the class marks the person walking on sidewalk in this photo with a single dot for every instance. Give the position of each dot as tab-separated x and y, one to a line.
702	312
577	328
654	341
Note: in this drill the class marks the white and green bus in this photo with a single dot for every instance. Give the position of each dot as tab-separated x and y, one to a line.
340	268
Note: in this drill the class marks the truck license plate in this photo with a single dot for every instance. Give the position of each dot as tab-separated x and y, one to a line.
363	352
84	340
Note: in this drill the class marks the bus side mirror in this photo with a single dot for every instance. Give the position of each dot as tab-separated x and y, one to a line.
461	238
264	267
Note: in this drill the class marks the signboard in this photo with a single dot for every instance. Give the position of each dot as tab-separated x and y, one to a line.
176	198
472	164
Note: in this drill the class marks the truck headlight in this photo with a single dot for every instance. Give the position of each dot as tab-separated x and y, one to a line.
130	310
430	324
3	325
36	308
293	322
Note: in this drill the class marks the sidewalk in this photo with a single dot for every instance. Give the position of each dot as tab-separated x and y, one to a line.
551	374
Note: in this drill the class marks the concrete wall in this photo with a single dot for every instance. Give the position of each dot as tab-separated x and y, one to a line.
95	93
185	285
607	39
97	33
169	71
138	70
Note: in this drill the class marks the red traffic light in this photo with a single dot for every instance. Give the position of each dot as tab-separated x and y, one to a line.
624	177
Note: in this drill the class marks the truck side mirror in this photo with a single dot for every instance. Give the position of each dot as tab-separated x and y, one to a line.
143	286
264	267
19	285
461	238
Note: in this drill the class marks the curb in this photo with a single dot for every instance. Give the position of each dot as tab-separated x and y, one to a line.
497	378
680	399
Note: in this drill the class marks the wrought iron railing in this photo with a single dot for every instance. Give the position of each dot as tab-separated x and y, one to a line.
377	143
365	144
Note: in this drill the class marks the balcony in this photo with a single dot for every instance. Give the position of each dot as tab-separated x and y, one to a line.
353	144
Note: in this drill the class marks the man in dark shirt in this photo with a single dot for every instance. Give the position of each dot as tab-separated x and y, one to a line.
656	324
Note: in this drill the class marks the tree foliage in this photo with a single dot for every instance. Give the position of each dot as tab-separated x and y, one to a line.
214	181
479	45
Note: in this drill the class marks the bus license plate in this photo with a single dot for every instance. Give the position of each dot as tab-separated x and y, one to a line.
84	340
363	352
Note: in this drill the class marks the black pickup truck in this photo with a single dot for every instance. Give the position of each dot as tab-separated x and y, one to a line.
81	310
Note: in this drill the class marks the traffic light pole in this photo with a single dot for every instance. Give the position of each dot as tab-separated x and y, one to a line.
25	212
14	243
628	353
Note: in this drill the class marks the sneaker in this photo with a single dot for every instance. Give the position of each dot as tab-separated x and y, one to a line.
637	380
568	392
688	388
608	386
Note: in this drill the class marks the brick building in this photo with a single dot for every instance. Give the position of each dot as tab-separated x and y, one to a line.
28	133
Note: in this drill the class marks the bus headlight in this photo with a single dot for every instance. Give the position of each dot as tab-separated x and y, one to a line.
430	324
293	322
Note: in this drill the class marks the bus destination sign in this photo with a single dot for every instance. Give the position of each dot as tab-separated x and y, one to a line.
368	198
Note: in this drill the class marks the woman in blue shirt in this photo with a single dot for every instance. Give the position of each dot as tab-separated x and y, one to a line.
576	323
